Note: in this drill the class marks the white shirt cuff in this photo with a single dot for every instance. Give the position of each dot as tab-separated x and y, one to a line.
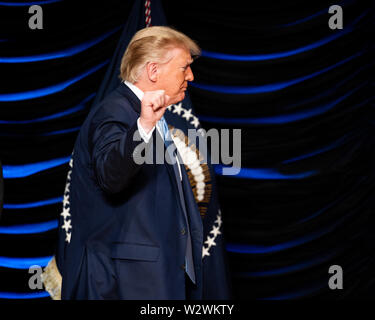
145	136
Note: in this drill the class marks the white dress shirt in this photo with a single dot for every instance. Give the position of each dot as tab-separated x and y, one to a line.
146	136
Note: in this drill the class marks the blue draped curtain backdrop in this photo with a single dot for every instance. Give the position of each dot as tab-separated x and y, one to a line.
301	93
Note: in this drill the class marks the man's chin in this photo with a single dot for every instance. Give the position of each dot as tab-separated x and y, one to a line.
181	97
178	98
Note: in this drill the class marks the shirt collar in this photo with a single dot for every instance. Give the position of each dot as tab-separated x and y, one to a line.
138	92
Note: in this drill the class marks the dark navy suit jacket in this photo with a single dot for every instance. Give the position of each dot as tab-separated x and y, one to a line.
128	235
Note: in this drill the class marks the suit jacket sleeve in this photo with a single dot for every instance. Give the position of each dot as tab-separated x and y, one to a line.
114	138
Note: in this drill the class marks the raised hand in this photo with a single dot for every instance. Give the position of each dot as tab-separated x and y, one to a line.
153	106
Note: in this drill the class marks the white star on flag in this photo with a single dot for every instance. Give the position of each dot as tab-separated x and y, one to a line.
210	241
218	220
205	252
66	198
195	122
66	225
178	108
215	230
65	213
187	114
68	236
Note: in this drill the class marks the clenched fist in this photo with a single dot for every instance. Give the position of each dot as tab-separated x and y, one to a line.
153	106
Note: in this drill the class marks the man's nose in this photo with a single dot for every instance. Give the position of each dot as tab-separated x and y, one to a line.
189	75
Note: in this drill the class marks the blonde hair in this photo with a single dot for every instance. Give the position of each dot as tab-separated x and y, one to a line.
151	45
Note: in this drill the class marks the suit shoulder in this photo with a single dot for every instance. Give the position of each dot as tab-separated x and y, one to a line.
114	105
115	108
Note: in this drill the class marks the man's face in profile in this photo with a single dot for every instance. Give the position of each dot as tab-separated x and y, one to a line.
175	74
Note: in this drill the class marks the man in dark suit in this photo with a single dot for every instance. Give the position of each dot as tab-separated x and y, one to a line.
129	229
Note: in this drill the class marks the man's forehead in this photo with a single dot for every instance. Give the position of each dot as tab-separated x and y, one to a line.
181	55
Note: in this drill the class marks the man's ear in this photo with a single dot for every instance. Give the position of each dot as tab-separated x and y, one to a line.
152	71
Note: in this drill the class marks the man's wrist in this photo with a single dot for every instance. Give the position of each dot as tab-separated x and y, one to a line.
146	125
